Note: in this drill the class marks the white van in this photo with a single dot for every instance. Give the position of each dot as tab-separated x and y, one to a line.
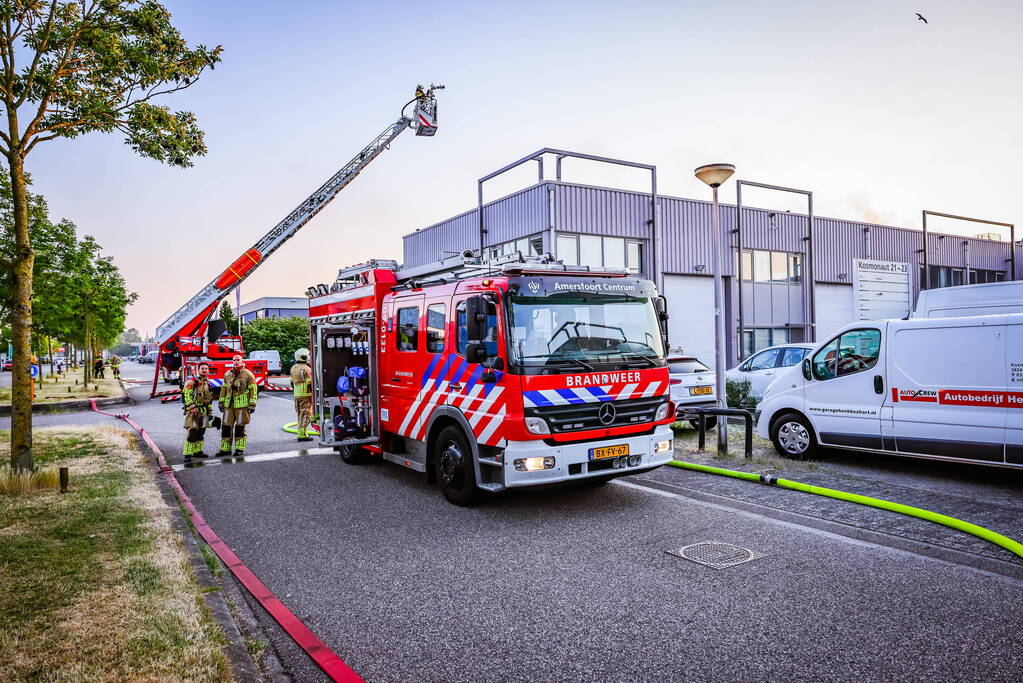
272	358
947	388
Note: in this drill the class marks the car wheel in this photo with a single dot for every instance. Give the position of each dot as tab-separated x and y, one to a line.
711	423
793	436
352	455
454	468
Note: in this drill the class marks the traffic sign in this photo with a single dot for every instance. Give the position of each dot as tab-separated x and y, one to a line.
34	371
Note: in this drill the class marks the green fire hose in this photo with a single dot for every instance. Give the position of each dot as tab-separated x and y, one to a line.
979	531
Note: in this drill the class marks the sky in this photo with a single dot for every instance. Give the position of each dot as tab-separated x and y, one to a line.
876	112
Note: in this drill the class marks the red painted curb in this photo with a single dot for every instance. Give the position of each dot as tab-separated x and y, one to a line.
326	658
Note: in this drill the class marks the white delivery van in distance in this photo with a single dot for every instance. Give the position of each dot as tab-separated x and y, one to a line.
272	358
947	388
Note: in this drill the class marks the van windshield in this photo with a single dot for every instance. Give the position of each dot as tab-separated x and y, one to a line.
575	332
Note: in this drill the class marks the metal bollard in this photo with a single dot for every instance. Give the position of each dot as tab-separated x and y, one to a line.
703	432
63	479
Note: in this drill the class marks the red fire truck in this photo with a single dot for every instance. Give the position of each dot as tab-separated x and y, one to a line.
491	376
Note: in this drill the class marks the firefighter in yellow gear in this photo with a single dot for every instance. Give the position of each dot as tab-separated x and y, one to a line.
301	386
115	363
237	402
198	397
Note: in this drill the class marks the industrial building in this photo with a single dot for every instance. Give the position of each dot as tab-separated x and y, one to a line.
784	296
274	307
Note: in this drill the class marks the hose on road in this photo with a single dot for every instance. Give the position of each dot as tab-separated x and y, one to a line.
979	531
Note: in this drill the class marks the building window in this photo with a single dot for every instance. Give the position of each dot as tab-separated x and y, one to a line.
568	250
759	265
614	252
601	252
634	256
795	267
755	339
947	276
527	246
590	251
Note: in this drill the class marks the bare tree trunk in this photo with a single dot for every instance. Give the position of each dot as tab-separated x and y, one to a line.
87	349
21	321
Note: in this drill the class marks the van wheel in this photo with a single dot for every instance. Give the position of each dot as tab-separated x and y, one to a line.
352	455
454	469
793	436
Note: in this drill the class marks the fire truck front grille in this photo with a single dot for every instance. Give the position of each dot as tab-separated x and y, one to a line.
580	417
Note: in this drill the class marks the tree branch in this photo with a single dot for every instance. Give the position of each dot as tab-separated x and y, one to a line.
39	53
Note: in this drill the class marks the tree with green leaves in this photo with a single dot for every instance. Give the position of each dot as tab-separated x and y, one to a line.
227	315
124	344
71	67
286	335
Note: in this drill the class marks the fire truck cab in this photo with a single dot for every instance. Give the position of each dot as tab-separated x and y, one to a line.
491	376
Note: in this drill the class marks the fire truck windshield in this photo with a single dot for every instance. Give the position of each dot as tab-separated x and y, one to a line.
575	332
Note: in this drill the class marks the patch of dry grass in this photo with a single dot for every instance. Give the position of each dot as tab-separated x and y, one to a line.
95	584
13	482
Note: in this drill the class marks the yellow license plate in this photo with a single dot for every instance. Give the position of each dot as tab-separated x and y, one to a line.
609	452
698	391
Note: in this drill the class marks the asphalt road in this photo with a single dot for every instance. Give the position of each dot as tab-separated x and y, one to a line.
573	583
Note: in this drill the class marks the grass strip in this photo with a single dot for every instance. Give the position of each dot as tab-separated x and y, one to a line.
95	584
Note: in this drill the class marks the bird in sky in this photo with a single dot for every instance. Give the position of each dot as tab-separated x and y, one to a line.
921	17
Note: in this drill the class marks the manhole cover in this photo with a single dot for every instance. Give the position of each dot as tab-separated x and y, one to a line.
715	554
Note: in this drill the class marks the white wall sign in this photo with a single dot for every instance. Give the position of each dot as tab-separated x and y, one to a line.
881	289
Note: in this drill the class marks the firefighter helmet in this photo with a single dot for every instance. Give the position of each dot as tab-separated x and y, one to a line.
302	355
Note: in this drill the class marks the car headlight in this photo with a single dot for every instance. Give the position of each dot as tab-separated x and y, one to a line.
537	425
662	411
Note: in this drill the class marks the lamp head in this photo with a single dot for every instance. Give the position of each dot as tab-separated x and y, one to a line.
714	174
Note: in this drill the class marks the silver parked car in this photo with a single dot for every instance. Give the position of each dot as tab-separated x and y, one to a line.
761	368
692	386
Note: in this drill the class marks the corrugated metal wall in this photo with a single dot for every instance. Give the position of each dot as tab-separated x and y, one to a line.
602	211
685	230
518	215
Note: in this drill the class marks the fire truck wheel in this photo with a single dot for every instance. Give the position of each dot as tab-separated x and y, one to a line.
454	467
352	455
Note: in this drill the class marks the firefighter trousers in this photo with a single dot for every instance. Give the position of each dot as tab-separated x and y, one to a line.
233	426
303	413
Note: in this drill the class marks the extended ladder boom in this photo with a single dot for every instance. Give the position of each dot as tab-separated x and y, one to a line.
190	318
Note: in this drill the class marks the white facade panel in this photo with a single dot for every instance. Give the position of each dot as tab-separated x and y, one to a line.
691	310
834	308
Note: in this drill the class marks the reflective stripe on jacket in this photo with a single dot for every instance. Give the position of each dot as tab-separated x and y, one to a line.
239	391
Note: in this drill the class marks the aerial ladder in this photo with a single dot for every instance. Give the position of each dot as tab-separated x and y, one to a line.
187	332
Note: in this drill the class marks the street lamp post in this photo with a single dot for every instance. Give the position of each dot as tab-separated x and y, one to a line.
714	175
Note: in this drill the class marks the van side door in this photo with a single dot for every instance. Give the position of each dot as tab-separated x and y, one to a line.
948	387
846	391
1014	382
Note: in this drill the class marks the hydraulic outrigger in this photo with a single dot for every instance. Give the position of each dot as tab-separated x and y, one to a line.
186	331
